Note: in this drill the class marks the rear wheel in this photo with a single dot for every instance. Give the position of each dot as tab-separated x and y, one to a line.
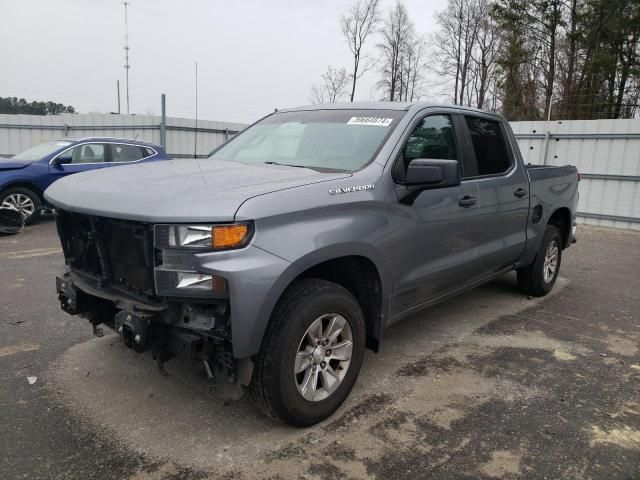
22	199
538	278
311	354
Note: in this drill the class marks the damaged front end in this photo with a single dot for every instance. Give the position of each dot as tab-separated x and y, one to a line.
133	278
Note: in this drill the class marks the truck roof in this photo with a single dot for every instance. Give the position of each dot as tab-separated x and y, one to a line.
383	106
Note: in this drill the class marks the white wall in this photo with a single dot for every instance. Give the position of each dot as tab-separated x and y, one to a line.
607	154
19	132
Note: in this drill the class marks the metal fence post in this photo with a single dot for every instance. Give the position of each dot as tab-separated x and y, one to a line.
547	136
163	122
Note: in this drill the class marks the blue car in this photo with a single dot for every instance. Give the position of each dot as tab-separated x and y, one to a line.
26	176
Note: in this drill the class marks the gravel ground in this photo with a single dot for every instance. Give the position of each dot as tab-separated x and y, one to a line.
488	385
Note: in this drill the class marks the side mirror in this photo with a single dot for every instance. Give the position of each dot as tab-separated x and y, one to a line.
63	159
11	220
426	173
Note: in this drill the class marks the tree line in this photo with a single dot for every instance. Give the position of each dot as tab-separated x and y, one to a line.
20	105
529	59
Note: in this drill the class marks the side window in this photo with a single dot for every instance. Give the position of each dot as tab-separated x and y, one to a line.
126	153
432	138
489	146
90	153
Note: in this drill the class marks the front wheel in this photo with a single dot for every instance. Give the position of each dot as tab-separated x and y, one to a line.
24	200
311	354
538	278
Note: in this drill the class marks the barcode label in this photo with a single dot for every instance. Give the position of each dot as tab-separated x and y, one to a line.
374	121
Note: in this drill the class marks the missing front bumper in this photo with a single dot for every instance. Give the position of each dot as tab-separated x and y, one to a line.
159	328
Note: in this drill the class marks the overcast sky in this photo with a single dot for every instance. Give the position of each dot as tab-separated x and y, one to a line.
253	56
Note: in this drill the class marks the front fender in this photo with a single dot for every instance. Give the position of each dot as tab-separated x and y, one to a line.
33	176
348	249
256	279
9	181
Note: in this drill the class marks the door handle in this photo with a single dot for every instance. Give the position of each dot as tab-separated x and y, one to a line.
467	201
521	192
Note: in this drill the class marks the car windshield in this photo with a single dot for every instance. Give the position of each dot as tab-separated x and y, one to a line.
324	140
40	151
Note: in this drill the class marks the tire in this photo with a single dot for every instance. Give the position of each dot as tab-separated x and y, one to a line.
275	388
532	280
25	200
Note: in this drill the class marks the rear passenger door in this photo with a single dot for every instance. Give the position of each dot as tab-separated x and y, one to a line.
503	196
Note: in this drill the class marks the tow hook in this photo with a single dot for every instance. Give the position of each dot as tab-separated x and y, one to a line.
72	300
134	329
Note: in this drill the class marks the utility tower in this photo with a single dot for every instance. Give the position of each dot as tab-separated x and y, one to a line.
126	51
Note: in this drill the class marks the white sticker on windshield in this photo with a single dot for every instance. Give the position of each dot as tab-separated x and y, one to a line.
375	121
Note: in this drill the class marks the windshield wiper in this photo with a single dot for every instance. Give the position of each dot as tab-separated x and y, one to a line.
317	169
285	165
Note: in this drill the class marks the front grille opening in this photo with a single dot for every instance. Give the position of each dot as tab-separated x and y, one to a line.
116	252
80	249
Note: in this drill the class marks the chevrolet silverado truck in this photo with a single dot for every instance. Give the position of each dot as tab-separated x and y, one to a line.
276	261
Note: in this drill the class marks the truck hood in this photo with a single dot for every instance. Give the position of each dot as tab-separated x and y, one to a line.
9	164
177	190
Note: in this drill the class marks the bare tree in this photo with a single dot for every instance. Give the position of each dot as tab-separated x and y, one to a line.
395	32
536	59
361	21
411	67
332	88
485	54
455	43
546	20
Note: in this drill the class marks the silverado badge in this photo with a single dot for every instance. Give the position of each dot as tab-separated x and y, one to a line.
356	188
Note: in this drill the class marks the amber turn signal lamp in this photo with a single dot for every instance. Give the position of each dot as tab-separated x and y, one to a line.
229	236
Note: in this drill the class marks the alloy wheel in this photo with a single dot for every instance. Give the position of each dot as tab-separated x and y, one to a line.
550	261
323	357
20	202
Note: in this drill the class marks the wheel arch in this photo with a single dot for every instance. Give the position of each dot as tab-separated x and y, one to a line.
561	218
362	274
24	184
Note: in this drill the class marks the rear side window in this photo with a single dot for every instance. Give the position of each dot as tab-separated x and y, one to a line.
489	146
126	153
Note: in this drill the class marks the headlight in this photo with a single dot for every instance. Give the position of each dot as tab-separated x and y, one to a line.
175	273
204	237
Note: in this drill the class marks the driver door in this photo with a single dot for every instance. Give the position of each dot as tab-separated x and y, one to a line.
81	158
435	235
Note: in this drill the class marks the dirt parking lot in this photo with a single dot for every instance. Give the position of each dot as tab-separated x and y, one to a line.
488	385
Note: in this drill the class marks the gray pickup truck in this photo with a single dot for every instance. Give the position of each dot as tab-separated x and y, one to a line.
276	261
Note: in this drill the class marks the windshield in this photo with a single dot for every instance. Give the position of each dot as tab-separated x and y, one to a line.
342	140
40	151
